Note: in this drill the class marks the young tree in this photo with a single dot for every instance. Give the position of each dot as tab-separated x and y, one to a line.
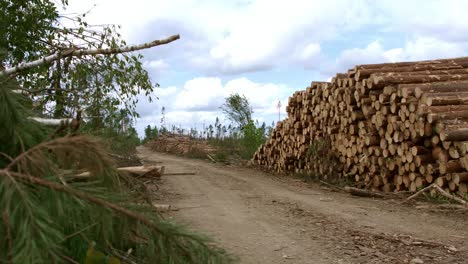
238	110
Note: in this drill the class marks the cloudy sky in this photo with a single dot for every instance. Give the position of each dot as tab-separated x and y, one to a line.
267	49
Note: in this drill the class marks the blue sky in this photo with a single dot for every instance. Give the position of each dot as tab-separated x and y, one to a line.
268	49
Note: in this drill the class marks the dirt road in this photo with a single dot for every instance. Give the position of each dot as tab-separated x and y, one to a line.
263	218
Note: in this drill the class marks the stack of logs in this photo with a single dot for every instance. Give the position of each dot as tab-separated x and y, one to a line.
180	144
392	126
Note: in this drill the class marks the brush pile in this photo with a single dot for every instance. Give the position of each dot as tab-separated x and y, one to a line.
391	127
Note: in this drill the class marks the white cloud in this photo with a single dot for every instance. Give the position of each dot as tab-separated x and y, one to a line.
425	48
443	20
198	102
200	94
209	93
420	48
157	64
373	53
310	51
146	108
235	36
220	38
156	67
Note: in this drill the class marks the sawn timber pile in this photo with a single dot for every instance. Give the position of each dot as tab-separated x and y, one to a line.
180	144
391	127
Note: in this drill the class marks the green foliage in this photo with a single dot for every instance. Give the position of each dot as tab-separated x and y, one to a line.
116	131
47	213
240	140
238	110
320	152
118	142
92	83
252	138
318	148
25	23
150	133
17	132
48	216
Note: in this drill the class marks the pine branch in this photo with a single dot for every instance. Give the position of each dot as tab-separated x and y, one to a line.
6	221
73	52
101	202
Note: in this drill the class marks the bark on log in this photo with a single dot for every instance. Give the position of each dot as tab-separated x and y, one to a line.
363	193
458	178
461	60
423	109
365	73
434	99
137	171
454	133
380	81
455	114
441	88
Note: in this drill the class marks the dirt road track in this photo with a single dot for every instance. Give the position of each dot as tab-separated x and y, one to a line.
263	218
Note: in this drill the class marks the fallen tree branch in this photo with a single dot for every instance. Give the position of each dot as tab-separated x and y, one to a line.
443	207
84	196
450	196
178	173
331	186
419	192
74	52
363	193
211	158
441	191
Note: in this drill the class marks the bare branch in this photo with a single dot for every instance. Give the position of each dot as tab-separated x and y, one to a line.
73	52
441	191
52	122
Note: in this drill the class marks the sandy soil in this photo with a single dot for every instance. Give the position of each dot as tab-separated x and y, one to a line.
265	218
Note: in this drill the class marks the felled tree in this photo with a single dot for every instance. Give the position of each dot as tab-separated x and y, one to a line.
46	216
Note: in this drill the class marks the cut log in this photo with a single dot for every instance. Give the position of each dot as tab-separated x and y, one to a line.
382	80
138	171
363	193
440	88
365	73
455	114
459	178
434	99
460	61
450	167
454	133
380	133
